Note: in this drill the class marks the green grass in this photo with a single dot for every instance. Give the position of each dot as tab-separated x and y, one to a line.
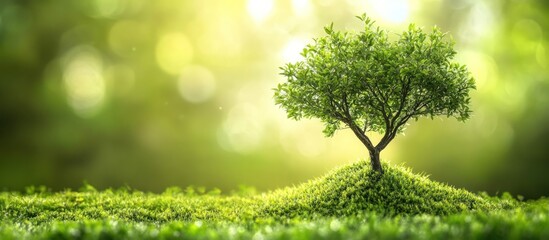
349	202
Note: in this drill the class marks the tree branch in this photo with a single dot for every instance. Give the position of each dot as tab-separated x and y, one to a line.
390	128
354	127
389	136
361	136
380	103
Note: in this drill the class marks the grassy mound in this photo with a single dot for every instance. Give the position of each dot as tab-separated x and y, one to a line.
348	191
348	203
355	188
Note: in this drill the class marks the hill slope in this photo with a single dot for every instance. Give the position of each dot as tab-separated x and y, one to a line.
355	188
350	202
346	191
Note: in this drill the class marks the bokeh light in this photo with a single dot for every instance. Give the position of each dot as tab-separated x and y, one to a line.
173	51
84	83
242	130
107	8
196	84
124	91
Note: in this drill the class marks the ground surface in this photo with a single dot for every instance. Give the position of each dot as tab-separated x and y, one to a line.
349	203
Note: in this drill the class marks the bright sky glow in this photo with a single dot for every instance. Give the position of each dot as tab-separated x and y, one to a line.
292	50
259	10
394	11
301	7
478	23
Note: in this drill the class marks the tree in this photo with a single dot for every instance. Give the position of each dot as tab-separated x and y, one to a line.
367	83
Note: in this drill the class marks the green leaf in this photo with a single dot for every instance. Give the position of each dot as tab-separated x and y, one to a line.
364	81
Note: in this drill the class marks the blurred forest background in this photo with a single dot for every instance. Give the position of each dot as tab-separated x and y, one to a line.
152	94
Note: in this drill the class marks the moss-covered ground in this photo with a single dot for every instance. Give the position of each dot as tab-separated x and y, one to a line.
351	202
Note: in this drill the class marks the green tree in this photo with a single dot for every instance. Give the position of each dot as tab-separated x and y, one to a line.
367	83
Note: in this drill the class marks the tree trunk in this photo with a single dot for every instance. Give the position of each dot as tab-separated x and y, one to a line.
374	152
374	160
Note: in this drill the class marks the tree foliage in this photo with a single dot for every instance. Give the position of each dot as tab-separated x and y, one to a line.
368	83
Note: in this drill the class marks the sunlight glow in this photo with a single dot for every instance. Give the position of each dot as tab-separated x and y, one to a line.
196	84
208	38
292	50
301	7
245	125
481	18
173	52
304	137
242	130
259	10
83	80
394	11
483	68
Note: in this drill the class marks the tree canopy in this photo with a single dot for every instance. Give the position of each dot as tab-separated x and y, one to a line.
368	83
